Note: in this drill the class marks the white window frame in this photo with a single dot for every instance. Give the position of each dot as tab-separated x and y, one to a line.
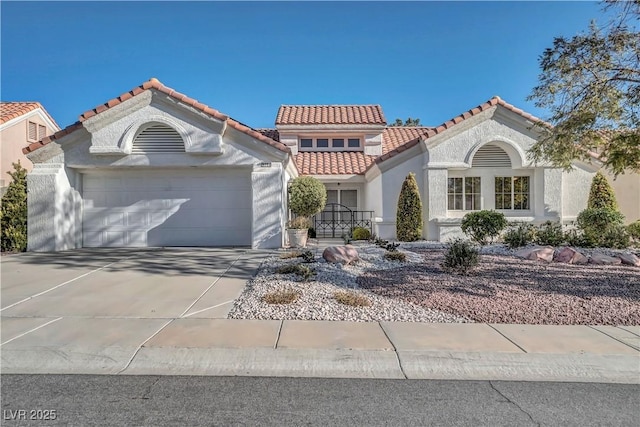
464	194
513	193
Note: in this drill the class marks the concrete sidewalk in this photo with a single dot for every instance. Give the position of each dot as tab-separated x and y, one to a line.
192	346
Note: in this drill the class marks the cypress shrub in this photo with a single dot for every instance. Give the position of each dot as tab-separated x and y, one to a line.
601	194
13	213
409	213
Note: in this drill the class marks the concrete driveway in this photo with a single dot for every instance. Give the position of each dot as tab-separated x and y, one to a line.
107	303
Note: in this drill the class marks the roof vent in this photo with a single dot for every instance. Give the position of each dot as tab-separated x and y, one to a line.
491	156
158	139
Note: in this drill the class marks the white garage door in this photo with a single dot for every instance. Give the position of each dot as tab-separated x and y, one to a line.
167	208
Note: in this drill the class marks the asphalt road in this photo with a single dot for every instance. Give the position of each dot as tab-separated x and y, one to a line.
188	401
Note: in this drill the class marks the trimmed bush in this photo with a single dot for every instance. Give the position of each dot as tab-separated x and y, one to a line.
634	230
461	257
483	226
580	239
549	234
598	220
601	194
409	212
360	233
395	256
307	196
13	213
616	237
519	234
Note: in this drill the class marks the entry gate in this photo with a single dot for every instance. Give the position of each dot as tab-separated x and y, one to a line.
337	220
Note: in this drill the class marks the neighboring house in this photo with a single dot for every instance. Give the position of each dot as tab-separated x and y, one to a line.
21	123
627	190
154	167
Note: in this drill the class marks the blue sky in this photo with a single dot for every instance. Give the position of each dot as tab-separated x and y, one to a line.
431	60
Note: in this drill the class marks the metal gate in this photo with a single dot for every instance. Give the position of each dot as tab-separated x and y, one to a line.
337	220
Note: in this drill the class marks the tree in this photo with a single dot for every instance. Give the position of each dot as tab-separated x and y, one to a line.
408	122
409	213
601	194
307	196
13	212
590	83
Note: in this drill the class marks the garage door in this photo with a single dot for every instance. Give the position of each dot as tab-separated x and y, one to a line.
167	208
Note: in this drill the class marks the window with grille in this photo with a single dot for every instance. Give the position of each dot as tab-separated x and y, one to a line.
158	139
463	194
512	192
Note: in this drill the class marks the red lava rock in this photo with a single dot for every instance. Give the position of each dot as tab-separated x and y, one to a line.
601	259
536	253
342	254
505	290
570	256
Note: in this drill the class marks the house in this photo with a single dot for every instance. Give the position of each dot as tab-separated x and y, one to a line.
154	167
21	123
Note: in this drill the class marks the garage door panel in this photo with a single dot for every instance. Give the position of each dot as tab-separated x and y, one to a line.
167	208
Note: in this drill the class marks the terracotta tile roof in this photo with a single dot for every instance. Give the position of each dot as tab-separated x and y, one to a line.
270	133
333	162
430	132
157	85
397	136
330	115
11	110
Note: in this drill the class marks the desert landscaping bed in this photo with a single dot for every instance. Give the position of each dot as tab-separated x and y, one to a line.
503	289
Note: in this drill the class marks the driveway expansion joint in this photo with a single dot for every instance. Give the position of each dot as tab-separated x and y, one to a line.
614	338
507	338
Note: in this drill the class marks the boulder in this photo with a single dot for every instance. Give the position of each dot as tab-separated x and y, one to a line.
629	259
602	259
570	256
536	253
341	254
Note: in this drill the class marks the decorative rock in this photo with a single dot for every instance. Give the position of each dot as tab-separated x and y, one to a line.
601	259
570	256
342	254
629	259
536	253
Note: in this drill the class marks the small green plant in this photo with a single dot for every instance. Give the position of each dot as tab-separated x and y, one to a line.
549	234
353	299
601	194
13	212
281	296
395	256
381	243
634	230
298	269
360	233
483	226
461	257
289	255
519	234
409	212
392	247
312	233
346	238
307	257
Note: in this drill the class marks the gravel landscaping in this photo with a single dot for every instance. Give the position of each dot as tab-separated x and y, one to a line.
503	289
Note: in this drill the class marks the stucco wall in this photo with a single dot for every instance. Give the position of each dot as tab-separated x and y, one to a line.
575	191
266	183
627	189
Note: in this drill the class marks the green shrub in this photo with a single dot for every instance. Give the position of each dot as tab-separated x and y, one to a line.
307	256
409	212
579	238
520	234
360	233
634	230
307	196
13	213
298	269
461	257
312	233
616	237
601	194
395	256
598	220
483	226
549	234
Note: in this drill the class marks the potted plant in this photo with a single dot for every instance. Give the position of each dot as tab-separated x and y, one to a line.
307	197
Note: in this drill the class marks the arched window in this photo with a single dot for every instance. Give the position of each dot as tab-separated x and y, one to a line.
491	156
158	138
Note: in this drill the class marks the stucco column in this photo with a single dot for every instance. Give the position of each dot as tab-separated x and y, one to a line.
552	193
268	206
435	187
